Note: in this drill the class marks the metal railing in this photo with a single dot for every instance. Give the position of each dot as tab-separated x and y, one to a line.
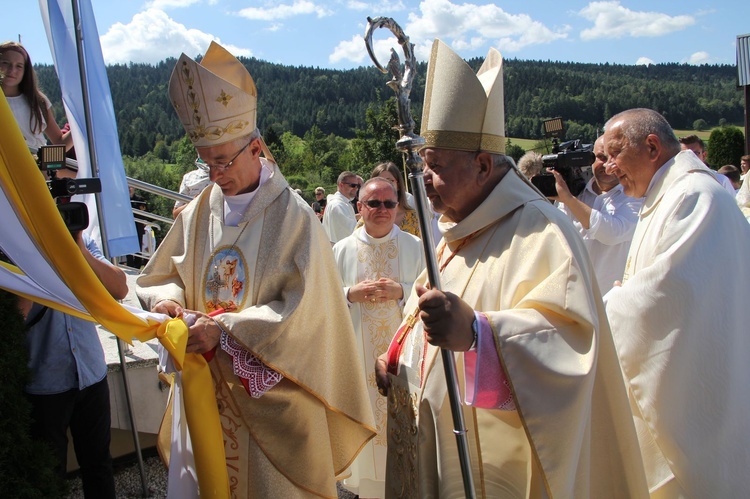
148	219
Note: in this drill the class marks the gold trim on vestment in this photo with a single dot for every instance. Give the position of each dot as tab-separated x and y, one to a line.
197	130
403	433
524	425
428	91
478	447
464	141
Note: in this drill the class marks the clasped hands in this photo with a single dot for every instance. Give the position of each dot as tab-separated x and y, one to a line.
375	291
447	321
203	335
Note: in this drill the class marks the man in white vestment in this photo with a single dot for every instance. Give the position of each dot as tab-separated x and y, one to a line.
679	318
546	410
606	222
378	264
339	218
250	267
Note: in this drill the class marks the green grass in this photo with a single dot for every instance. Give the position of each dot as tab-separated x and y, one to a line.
525	143
529	144
703	135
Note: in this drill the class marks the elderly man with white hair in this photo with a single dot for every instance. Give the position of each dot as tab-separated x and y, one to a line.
546	413
679	319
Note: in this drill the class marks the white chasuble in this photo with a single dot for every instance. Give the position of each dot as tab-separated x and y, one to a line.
519	261
359	257
680	325
274	277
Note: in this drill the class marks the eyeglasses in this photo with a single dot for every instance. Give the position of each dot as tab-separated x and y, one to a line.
199	163
376	203
223	168
353	186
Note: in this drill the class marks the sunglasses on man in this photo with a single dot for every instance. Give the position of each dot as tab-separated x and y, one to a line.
376	203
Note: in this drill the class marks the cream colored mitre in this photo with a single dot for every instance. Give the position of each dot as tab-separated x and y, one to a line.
215	100
463	110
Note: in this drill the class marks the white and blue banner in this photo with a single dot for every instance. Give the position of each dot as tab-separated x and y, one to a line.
118	223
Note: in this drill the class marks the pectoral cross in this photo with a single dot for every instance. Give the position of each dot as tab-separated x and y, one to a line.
215	283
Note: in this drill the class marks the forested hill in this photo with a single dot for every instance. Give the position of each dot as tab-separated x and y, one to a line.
296	98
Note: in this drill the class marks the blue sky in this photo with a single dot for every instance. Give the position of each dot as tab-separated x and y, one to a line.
328	33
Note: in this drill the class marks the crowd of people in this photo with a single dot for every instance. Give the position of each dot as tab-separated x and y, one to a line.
598	342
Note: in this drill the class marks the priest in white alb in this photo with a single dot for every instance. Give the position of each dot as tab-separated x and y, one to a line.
378	264
679	320
339	218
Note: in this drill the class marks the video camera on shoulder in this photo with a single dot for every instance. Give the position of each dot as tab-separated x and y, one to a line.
571	159
50	160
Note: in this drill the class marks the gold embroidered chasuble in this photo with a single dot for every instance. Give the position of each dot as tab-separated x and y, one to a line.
397	256
571	435
279	285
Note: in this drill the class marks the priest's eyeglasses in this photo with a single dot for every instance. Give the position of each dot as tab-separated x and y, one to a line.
376	203
223	168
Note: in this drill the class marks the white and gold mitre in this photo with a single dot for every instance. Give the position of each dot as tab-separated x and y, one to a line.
462	110
215	99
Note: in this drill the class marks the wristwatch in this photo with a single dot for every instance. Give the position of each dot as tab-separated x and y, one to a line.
475	328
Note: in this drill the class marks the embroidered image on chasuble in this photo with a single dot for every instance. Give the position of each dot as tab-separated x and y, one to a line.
225	279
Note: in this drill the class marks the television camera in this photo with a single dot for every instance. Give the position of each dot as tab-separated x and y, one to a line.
51	159
571	159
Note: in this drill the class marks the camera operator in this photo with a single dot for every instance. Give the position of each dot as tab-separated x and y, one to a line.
604	216
68	387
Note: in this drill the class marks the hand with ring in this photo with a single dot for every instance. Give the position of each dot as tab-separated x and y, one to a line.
363	292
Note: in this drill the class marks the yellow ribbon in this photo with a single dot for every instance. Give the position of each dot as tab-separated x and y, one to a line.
26	190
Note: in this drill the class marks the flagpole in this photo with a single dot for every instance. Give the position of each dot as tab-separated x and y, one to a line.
79	37
408	144
87	117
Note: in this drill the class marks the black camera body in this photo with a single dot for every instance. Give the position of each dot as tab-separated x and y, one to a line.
50	159
572	160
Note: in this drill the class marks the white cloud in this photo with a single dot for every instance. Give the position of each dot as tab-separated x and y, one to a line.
471	25
699	58
152	36
612	20
472	44
354	50
284	11
466	27
349	50
376	7
644	61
